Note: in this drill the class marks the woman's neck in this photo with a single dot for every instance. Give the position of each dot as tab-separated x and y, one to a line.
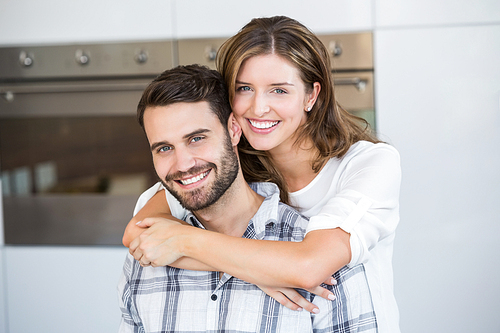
295	164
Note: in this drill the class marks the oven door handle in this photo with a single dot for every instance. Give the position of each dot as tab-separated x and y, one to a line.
71	87
357	82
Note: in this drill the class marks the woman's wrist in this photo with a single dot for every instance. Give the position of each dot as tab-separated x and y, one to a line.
188	240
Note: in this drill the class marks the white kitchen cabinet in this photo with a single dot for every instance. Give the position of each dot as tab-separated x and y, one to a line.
63	289
400	13
438	102
3	300
223	18
58	21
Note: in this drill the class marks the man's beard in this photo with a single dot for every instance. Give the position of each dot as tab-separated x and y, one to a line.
201	198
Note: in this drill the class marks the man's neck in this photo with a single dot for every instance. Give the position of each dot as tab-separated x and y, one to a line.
232	212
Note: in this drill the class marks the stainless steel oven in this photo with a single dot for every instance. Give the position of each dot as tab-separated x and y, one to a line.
73	159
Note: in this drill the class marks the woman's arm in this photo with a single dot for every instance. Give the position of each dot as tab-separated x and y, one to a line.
156	206
304	264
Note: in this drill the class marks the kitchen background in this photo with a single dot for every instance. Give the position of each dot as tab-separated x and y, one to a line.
437	100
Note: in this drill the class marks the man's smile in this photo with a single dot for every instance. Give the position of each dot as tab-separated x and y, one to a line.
194	179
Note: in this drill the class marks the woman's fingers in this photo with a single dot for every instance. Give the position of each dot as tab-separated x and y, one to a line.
290	298
322	292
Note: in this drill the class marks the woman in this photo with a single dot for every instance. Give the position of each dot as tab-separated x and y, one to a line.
326	162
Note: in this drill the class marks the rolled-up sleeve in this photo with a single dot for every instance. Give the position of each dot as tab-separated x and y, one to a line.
365	200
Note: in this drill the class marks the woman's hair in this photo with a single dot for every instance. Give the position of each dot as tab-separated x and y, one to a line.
331	129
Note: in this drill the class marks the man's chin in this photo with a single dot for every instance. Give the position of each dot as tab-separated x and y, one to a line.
193	201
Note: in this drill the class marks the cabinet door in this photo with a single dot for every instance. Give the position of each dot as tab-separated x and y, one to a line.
399	13
437	101
3	288
63	289
223	18
61	21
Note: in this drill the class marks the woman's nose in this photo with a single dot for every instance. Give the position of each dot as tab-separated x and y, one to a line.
261	106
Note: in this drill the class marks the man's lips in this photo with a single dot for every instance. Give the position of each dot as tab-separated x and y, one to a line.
193	179
263	124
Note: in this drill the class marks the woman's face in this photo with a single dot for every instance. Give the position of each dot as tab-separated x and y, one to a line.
270	101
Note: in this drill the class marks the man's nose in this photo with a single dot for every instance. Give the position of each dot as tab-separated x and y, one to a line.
184	160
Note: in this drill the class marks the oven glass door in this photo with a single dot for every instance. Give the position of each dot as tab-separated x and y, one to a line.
73	163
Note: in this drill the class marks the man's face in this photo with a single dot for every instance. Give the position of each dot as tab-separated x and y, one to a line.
192	152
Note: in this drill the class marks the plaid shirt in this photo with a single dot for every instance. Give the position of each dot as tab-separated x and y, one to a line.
167	299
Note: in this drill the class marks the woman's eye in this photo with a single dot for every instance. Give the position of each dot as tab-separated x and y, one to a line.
279	91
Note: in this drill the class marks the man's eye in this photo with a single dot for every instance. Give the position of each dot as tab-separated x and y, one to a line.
164	149
196	139
243	88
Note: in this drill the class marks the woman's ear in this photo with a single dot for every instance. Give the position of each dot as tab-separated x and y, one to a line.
234	129
313	95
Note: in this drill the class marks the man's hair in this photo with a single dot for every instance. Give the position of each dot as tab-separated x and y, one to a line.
189	84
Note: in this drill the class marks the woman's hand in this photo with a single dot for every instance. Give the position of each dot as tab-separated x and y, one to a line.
291	299
157	206
159	244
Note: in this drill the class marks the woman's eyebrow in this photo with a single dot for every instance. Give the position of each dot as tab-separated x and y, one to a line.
272	84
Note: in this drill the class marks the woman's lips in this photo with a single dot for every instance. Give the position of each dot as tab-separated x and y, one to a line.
263	125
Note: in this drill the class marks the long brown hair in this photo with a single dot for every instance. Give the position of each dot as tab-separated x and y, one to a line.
332	129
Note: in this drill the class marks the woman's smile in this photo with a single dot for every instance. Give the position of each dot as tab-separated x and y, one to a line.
259	125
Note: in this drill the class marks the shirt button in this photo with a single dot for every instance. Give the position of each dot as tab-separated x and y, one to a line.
213	297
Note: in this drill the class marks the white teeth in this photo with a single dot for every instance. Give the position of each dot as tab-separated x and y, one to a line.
263	124
194	179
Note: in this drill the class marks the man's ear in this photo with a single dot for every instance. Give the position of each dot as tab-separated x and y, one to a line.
234	129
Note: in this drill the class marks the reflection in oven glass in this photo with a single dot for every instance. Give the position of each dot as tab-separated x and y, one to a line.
72	180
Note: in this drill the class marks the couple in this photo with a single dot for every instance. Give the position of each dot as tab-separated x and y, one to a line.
325	164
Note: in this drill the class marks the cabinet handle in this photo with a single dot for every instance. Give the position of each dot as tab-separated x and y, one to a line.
359	83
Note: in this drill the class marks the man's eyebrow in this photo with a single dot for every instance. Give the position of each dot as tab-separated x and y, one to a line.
158	144
155	145
197	132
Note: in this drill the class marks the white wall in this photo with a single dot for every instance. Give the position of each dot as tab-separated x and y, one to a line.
438	102
437	98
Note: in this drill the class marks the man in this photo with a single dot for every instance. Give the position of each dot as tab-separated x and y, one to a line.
193	138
